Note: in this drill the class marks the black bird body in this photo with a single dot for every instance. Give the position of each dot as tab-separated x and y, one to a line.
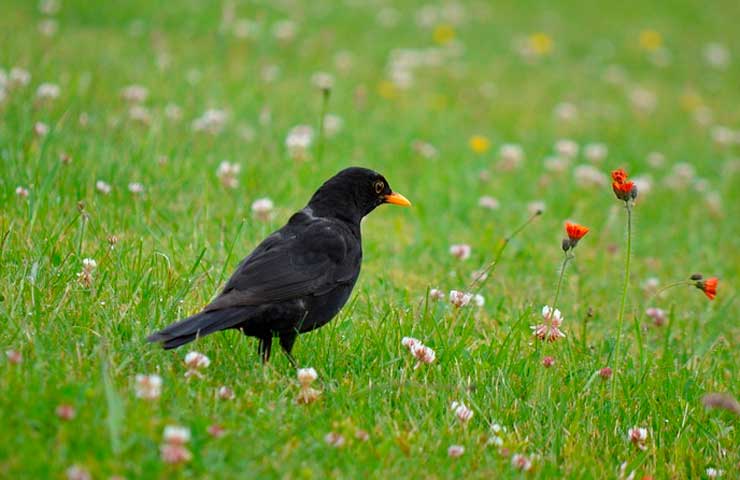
300	276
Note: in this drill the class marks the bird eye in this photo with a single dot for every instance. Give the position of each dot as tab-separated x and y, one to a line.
379	187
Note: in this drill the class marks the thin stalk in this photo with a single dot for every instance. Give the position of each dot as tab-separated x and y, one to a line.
326	93
560	280
620	319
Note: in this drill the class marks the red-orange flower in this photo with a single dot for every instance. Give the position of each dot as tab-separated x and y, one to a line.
619	175
623	189
708	286
575	231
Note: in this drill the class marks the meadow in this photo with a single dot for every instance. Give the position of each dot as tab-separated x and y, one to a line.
146	148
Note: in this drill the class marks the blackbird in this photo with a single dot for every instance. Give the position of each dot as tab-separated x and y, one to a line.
300	276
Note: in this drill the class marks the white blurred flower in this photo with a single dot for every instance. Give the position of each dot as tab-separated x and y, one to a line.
425	149
332	124
511	156
212	121
479	300
423	354
225	393
136	188
566	112
21	192
284	30
135	93
140	114
656	159
644	184
595	152
589	176
557	164
460	251
658	315
714	473
538	206
196	361
76	472
48	27
334	439
298	141
521	462
148	387
643	99
410	342
717	55
262	208
323	81
103	187
48	91
488	202
40	129
19	77
85	276
173	451
566	148
436	294
173	111
228	174
455	451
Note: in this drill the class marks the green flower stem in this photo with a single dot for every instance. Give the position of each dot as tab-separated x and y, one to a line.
620	319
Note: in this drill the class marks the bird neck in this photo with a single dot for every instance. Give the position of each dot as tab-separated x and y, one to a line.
317	210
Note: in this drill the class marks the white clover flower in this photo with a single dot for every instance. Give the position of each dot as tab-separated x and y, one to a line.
334	439
714	473
136	188
549	329
103	187
262	208
460	299
658	315
455	451
460	251
521	462
225	393
48	91
410	342
436	294
197	360
638	436
461	411
306	376
423	354
21	192
228	174
425	149
176	435
148	387
40	129
479	300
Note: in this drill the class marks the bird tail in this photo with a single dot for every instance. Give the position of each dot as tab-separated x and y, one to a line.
198	325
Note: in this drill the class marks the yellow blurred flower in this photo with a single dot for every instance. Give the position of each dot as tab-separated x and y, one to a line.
444	34
650	40
691	100
387	89
540	43
479	144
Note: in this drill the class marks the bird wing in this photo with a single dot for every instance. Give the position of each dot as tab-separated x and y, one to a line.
291	263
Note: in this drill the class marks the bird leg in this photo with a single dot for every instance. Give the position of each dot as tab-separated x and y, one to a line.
264	348
286	342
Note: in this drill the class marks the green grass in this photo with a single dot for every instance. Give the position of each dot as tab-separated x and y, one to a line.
179	241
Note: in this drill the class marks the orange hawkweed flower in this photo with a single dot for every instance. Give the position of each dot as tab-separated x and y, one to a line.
575	231
708	286
623	189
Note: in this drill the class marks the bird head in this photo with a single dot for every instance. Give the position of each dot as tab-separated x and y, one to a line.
353	193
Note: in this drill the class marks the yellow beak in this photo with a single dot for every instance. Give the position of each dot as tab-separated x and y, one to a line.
397	199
